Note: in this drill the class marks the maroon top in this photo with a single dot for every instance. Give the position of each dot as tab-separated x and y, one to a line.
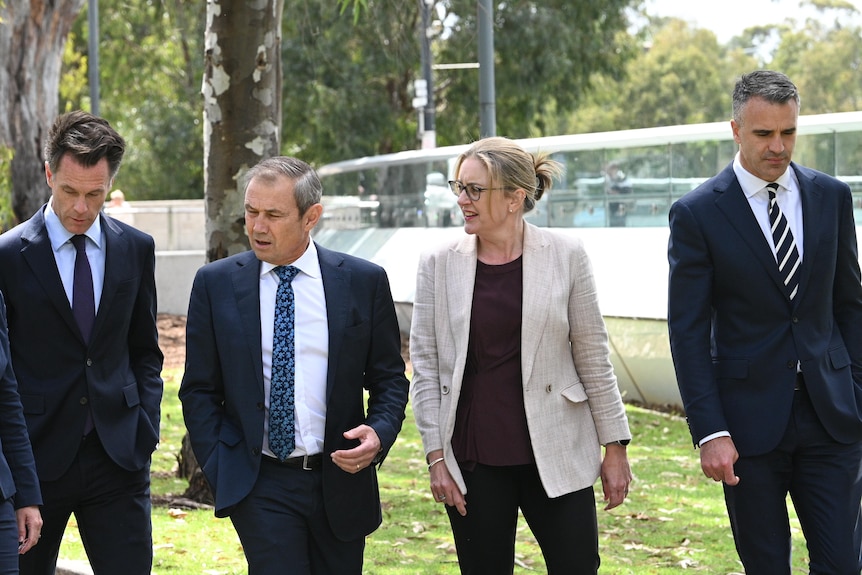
491	423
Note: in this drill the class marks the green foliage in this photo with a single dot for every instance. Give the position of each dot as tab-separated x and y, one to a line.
7	217
150	56
349	68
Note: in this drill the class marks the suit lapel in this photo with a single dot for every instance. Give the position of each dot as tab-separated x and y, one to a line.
39	255
734	205
539	273
336	289
117	260
460	281
245	280
812	224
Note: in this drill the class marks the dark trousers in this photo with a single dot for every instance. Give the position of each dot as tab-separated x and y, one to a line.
8	539
565	527
283	528
112	508
824	480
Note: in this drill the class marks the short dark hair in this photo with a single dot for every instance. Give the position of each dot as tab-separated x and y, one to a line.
87	138
772	86
307	189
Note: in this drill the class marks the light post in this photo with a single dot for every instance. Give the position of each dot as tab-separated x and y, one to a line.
426	119
93	59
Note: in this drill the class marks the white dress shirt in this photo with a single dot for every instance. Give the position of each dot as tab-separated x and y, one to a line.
311	346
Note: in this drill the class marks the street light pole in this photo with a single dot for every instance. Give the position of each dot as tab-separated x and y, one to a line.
93	59
487	109
429	135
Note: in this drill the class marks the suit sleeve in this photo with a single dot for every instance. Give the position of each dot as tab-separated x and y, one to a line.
690	293
13	430
847	295
202	392
384	376
145	355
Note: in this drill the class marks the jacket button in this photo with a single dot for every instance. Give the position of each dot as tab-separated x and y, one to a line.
83	401
445	389
255	451
548	389
259	405
795	319
791	364
89	362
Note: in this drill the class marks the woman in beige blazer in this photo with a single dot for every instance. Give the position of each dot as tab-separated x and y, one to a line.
513	390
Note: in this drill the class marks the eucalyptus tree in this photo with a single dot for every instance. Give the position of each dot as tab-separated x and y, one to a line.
32	37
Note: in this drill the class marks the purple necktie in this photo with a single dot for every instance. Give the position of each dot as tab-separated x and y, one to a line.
83	300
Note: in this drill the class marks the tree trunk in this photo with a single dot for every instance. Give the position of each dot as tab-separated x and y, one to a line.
242	110
242	117
32	37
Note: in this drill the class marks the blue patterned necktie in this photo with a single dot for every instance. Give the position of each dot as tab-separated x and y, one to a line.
786	253
281	423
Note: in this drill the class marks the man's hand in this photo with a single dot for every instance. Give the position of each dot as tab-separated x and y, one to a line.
29	527
717	457
361	456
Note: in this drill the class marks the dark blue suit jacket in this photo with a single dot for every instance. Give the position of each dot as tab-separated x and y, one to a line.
17	468
735	336
118	374
223	394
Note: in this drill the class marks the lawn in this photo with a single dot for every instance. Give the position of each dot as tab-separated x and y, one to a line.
673	520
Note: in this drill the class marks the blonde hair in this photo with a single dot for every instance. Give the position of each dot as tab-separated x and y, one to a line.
511	167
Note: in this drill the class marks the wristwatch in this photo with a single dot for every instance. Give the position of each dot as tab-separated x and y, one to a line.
622	442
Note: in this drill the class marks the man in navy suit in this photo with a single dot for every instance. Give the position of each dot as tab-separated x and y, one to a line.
90	383
768	354
310	507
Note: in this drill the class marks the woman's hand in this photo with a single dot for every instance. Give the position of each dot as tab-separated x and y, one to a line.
616	475
443	487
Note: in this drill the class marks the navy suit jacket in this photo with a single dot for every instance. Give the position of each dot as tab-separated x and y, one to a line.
118	374
223	392
736	338
17	468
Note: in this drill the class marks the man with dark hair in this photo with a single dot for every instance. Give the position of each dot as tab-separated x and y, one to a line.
282	343
765	317
81	298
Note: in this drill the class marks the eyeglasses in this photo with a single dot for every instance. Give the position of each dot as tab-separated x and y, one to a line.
473	191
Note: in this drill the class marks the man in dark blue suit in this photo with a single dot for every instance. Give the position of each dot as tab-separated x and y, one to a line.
89	379
311	505
765	317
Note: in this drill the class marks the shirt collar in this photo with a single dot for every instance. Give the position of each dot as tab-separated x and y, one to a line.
60	235
307	262
751	184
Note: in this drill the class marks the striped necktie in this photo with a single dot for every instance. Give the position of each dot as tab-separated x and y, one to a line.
786	253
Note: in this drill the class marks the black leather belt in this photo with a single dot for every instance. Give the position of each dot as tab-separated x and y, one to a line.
799	385
304	462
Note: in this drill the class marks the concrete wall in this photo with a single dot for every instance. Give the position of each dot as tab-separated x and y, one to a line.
179	230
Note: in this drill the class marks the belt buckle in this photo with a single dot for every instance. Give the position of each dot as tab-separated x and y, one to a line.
305	466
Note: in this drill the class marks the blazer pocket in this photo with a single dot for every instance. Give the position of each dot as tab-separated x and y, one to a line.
839	358
229	435
575	393
130	392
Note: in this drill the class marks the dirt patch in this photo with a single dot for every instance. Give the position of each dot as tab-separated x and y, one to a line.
172	339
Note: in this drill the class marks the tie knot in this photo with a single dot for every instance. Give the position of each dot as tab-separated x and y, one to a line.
771	187
286	273
80	242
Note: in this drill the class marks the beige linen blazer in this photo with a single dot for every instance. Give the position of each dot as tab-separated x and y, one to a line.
571	396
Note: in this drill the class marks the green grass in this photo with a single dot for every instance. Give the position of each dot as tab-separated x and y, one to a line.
674	518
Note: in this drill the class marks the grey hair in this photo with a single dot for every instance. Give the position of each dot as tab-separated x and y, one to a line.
307	189
772	86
